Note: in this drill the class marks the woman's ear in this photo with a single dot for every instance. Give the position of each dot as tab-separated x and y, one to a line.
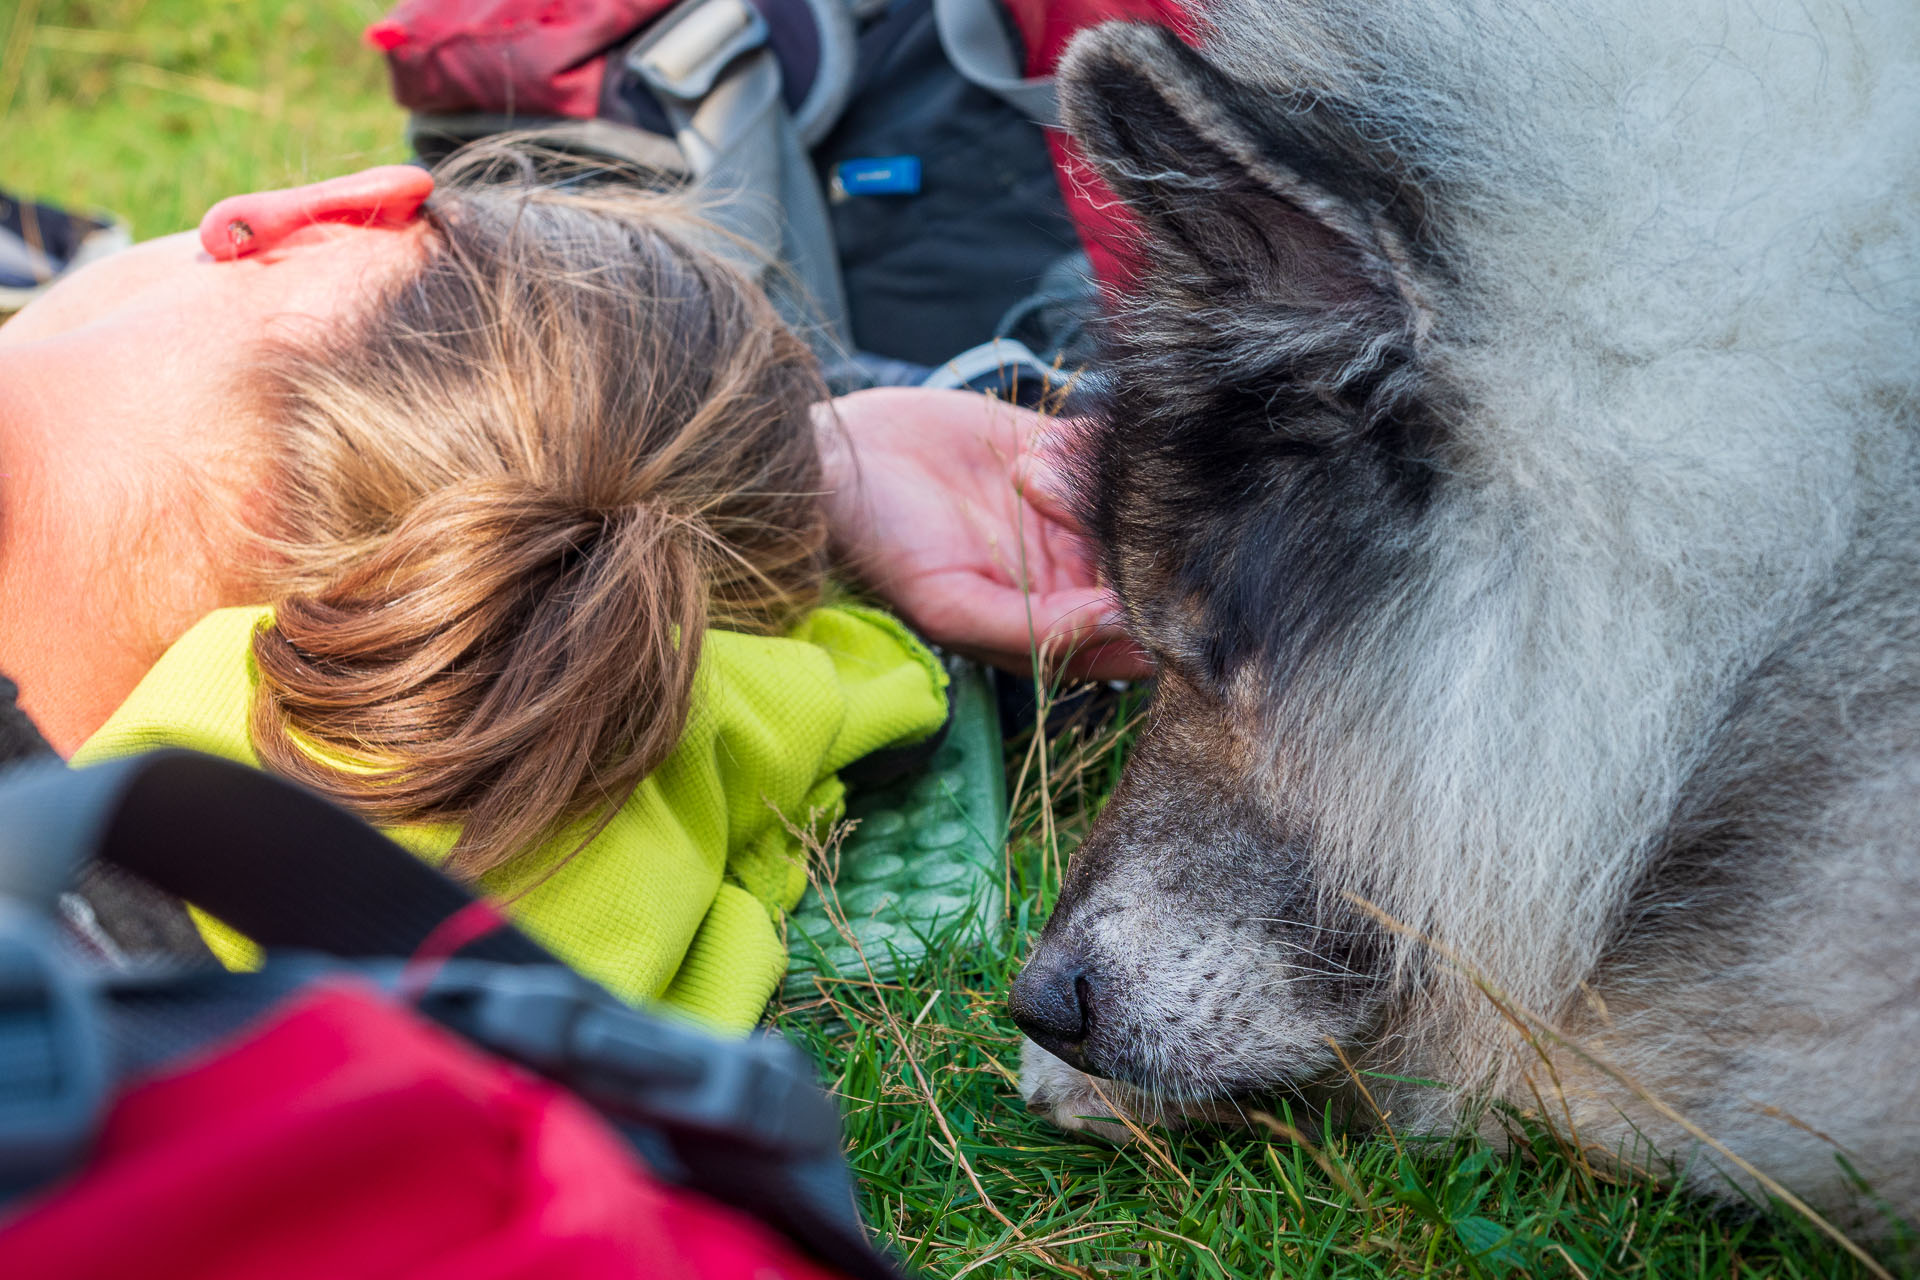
387	196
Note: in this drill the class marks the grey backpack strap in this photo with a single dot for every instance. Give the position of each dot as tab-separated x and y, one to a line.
977	43
709	64
1004	363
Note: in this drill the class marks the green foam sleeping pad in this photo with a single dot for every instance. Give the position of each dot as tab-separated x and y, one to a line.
924	862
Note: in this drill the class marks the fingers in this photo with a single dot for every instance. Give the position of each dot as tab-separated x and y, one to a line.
1102	660
1040	469
1110	660
1087	632
1037	478
1010	628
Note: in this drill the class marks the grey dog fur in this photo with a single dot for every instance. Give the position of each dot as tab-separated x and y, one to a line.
1510	459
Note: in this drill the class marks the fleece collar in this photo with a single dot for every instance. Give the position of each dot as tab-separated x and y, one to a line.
680	897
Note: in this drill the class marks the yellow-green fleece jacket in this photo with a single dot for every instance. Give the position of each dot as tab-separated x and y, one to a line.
680	898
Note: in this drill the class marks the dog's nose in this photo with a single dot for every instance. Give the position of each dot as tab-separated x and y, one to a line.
1049	1001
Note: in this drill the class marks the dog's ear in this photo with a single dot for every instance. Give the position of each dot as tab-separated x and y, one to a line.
1241	192
1270	437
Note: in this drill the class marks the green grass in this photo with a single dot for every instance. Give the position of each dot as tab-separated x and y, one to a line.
155	110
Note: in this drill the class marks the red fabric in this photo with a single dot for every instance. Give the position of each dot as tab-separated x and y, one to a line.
531	57
1046	26
349	1139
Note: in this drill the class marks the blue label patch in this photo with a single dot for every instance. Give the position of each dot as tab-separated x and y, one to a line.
880	176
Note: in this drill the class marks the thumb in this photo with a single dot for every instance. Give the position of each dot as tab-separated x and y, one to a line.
1044	487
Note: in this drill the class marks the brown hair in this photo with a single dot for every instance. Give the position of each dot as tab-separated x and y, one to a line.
511	499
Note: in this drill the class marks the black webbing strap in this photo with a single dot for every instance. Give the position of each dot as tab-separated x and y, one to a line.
280	865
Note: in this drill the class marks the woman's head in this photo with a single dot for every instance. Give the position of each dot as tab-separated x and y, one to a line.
125	445
511	495
497	493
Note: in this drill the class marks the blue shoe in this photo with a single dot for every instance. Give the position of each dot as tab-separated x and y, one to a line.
39	243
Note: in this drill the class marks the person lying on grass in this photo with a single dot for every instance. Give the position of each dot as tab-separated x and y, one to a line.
501	512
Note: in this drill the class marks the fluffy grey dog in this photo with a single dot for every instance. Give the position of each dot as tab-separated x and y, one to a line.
1511	460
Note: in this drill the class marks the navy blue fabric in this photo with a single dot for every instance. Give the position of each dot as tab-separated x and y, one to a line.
928	276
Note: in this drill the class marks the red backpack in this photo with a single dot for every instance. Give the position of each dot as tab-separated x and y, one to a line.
478	1112
344	1136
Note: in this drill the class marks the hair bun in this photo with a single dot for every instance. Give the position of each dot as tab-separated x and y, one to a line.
511	499
439	666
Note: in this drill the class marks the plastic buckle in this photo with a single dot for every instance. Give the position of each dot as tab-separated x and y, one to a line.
688	48
756	1093
53	1074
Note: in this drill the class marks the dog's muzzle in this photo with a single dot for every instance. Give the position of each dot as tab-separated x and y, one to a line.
1052	1001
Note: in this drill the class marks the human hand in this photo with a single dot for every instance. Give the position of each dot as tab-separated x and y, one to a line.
946	504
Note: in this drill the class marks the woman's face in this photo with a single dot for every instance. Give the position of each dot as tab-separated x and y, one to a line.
127	447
